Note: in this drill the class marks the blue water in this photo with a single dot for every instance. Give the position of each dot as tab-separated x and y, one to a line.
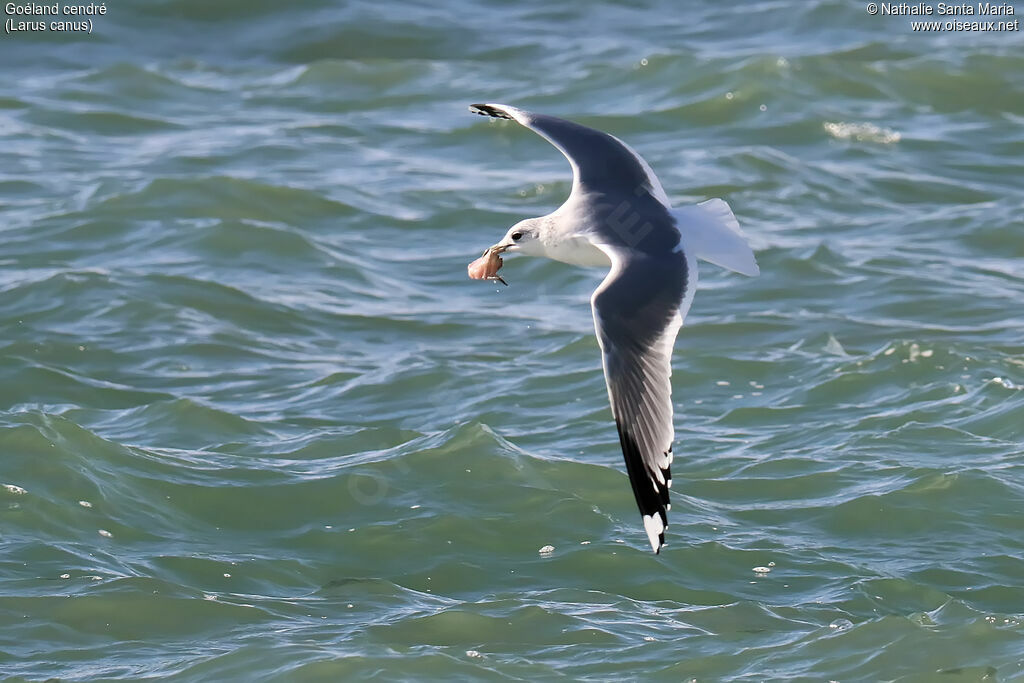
257	424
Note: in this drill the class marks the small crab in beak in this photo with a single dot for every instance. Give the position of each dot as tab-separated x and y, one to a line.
486	267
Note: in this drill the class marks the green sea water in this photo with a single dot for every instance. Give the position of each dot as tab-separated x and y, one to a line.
256	424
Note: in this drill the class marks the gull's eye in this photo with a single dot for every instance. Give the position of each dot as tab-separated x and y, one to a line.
516	236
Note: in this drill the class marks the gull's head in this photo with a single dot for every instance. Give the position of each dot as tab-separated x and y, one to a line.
523	237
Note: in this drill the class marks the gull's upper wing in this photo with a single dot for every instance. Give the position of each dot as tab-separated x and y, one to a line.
637	315
600	162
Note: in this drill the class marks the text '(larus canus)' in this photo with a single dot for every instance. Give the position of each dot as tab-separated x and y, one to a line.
618	216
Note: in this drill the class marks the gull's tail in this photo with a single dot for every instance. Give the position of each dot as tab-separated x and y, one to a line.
711	233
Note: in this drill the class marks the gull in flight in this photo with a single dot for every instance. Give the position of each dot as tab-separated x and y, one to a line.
618	216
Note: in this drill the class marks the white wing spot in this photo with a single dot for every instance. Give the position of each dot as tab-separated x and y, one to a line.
654	528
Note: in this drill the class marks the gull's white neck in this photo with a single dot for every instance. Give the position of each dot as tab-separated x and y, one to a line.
562	241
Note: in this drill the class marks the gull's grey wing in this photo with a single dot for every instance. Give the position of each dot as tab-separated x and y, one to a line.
637	316
600	162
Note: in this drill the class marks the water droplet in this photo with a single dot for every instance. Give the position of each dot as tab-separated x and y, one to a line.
763	107
921	619
643	62
729	95
474	654
841	624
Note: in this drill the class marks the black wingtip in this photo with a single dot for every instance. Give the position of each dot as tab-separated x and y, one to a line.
488	110
651	500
